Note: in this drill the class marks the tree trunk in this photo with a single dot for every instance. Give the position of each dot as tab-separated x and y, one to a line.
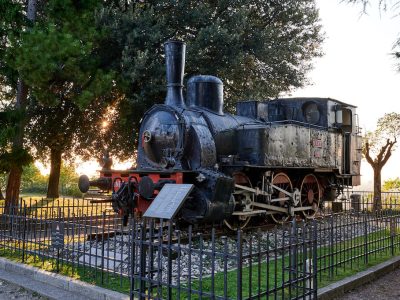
14	177
377	204
54	178
13	185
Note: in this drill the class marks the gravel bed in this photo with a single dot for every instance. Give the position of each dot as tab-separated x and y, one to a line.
197	261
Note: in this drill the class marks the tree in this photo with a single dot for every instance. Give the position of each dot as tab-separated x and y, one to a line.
61	132
32	180
378	147
68	180
9	119
258	48
111	52
391	185
64	83
13	23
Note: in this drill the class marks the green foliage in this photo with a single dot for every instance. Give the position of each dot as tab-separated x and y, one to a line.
18	157
391	185
12	22
10	157
8	120
34	182
69	181
8	129
58	58
73	130
388	128
389	125
258	48
84	58
61	59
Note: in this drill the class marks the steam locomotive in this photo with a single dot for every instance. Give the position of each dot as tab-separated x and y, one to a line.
274	159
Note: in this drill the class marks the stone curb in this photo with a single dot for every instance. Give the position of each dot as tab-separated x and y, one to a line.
62	282
337	289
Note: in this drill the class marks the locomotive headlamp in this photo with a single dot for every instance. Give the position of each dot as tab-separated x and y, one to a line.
147	136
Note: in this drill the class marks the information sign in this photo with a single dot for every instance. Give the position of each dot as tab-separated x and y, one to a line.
168	201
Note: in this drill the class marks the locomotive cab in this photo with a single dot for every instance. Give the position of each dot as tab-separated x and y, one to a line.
316	133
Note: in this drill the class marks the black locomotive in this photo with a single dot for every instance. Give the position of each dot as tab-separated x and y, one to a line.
274	158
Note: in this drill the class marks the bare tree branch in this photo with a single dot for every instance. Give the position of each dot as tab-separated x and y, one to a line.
382	152
367	154
388	153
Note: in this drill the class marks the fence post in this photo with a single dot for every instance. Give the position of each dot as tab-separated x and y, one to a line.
293	256
392	233
331	243
169	275
132	258
142	267
11	211
58	249
103	223
315	258
239	264
310	282
24	235
365	239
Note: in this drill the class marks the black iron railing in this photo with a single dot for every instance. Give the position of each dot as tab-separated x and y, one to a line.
156	259
170	264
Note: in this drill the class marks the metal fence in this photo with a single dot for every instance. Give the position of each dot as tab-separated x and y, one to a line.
183	265
363	201
154	259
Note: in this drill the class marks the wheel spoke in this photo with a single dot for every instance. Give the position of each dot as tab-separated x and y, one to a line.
236	222
310	195
282	181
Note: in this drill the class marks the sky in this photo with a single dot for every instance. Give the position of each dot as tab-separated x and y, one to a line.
357	67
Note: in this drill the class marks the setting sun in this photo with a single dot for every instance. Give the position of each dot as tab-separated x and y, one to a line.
89	168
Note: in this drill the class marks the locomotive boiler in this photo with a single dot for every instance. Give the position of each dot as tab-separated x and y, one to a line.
274	159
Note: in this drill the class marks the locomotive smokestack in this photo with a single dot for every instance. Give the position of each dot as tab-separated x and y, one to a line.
175	60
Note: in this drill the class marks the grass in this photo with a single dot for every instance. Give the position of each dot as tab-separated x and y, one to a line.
42	207
274	278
